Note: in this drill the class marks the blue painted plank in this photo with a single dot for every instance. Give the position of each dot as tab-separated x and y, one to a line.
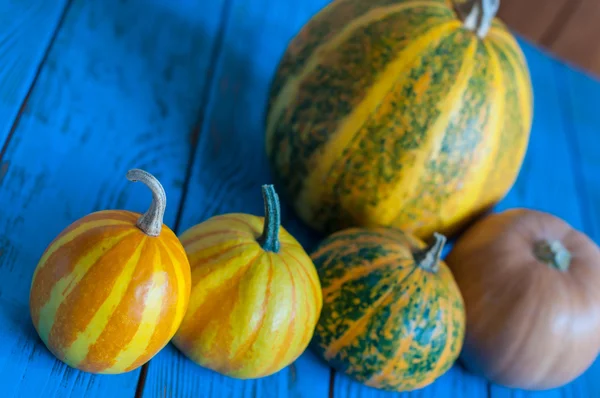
27	30
549	180
582	96
121	88
228	170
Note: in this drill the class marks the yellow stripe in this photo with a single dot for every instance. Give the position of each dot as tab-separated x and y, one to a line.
65	285
289	92
149	321
521	74
492	133
206	278
68	237
394	74
80	347
181	289
387	209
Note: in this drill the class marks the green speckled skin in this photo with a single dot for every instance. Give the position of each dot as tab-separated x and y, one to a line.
392	113
386	322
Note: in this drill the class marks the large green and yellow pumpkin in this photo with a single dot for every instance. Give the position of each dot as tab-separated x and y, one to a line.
410	113
393	317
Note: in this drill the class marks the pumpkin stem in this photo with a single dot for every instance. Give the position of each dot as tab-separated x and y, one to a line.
553	253
477	15
429	258
152	220
269	239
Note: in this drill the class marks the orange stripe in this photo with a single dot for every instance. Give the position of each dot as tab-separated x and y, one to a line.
162	330
285	344
347	243
310	302
190	238
314	308
126	318
77	310
237	358
314	288
176	254
62	262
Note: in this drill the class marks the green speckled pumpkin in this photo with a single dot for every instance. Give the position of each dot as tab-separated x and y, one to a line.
409	113
393	317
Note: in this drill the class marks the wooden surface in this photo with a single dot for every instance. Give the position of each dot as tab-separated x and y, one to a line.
89	90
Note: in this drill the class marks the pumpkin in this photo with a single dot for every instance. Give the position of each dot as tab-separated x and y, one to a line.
393	317
111	289
404	113
530	284
255	298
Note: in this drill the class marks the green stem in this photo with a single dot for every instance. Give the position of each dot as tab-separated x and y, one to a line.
151	221
429	258
553	253
269	239
477	15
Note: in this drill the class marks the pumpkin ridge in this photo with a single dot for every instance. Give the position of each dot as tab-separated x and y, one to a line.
322	28
430	150
204	284
50	296
398	307
335	346
194	238
283	350
215	255
360	184
450	185
359	272
102	358
525	93
289	91
332	160
308	288
86	330
505	162
237	355
340	76
75	231
493	133
315	290
178	284
157	340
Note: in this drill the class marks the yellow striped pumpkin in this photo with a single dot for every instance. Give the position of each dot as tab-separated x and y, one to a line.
111	289
393	316
411	113
255	298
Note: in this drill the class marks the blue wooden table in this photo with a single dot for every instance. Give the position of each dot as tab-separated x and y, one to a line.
90	89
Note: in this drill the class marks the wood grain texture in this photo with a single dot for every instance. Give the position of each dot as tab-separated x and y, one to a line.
577	42
229	168
535	19
121	88
27	28
551	178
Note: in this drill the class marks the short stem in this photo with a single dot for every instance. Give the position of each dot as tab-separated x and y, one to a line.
553	253
151	221
477	15
429	258
269	239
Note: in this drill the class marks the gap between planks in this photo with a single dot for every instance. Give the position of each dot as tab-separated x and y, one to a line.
38	70
199	127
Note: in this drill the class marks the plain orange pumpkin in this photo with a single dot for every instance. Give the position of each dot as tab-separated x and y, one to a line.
531	286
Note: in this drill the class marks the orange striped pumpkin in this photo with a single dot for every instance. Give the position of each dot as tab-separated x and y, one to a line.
110	291
255	298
